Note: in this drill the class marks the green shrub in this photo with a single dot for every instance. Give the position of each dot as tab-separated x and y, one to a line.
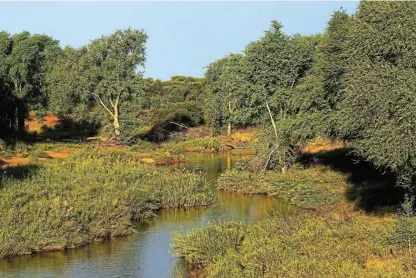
404	235
197	145
2	146
21	147
141	145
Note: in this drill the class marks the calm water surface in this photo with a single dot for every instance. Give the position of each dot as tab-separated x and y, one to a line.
146	253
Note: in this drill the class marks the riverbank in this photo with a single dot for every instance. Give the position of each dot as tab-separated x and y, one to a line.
91	195
348	225
200	140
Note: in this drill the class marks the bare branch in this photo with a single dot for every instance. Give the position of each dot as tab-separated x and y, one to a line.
271	119
102	104
111	102
118	98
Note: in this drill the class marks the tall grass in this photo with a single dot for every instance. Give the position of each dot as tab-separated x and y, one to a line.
197	145
92	195
299	245
308	188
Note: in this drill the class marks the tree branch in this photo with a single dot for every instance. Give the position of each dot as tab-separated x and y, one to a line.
271	119
102	104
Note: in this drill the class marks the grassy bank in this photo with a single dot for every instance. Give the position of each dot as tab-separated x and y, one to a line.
347	228
22	153
301	245
307	188
208	145
91	195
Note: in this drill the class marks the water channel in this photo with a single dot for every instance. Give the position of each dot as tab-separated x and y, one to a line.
146	252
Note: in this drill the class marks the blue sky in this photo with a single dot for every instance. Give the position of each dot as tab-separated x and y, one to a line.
184	37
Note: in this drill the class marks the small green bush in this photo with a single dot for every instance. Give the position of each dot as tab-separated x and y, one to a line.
404	235
197	145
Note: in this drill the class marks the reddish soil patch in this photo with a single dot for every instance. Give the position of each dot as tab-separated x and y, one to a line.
15	161
34	125
323	144
60	153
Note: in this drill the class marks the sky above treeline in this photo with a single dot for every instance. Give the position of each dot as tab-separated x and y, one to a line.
184	37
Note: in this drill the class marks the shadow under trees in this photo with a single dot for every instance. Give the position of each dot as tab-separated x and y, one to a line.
19	172
372	189
68	128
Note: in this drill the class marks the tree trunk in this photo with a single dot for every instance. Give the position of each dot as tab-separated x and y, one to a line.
229	130
21	116
116	122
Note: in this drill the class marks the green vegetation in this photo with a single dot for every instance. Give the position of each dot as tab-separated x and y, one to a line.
197	145
307	188
92	195
303	244
353	83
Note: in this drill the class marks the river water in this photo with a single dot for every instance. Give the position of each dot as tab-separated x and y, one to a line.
146	252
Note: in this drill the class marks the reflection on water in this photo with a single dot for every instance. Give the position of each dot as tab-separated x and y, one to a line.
146	252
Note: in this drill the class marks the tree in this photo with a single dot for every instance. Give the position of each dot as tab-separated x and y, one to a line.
379	107
25	59
104	73
228	100
320	91
276	64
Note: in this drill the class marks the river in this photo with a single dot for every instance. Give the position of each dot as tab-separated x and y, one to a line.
146	252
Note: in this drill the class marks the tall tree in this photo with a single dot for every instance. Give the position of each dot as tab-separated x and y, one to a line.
26	59
104	73
379	109
228	100
276	64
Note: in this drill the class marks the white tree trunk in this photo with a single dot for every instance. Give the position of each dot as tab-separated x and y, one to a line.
116	122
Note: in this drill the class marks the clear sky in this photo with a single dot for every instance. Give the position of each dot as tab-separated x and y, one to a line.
184	37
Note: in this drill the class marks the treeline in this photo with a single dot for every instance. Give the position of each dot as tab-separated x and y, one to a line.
356	81
101	83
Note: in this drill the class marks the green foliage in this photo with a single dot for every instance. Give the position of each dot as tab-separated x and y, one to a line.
199	145
378	109
25	60
229	99
103	74
90	196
